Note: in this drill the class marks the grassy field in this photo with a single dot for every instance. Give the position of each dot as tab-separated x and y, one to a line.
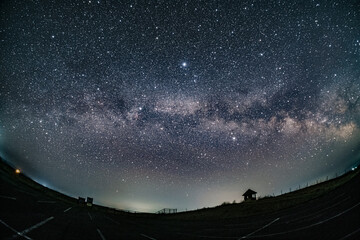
267	204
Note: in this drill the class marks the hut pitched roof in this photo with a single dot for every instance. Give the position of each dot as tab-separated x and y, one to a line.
249	192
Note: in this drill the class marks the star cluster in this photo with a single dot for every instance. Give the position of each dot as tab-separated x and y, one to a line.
181	104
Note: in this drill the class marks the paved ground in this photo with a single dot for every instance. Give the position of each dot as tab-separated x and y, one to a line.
27	213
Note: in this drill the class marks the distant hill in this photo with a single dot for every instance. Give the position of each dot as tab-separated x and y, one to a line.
261	206
329	210
269	204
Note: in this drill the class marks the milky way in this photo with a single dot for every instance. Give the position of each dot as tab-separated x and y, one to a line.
181	104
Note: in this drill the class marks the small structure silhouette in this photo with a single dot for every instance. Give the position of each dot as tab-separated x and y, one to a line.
249	195
89	201
81	201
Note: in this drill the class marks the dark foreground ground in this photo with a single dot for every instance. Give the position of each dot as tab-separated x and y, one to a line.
30	211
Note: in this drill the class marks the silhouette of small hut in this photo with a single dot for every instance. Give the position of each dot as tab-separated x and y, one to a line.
249	195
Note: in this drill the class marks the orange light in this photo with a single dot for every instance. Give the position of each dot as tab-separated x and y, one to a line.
17	171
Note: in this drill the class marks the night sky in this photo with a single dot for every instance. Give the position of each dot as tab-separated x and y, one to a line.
179	104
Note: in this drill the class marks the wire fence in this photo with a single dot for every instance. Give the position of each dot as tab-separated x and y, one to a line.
310	183
167	211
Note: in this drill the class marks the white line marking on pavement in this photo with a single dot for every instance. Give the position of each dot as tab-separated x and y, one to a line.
309	226
101	235
46	201
67	209
37	225
260	228
12	198
350	234
90	216
315	214
12	229
147	236
33	227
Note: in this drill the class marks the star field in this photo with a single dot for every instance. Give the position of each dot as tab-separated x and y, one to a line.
181	104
